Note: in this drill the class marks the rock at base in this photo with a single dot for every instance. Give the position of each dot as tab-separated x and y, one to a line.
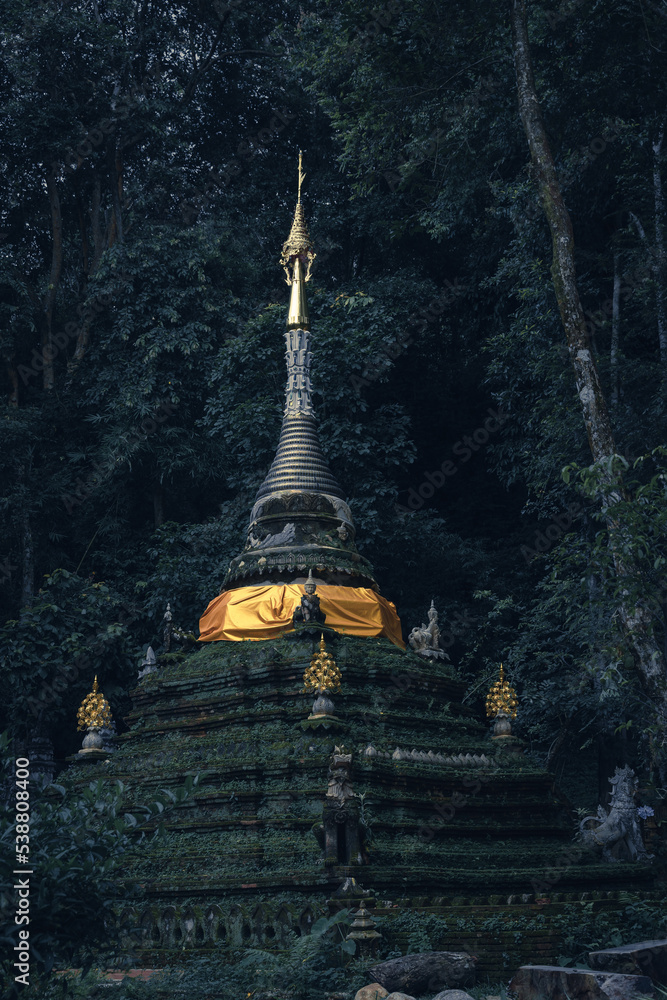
399	996
426	972
453	995
647	958
373	992
551	982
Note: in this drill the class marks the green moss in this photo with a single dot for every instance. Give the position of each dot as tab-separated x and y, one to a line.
232	713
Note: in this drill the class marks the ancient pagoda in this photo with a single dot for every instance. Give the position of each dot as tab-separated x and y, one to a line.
300	524
336	765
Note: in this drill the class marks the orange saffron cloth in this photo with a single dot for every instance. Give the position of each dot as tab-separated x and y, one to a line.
266	612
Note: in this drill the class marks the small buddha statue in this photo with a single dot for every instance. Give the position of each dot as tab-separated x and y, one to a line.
309	609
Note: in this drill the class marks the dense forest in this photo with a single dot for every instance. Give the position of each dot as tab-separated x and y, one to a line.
489	303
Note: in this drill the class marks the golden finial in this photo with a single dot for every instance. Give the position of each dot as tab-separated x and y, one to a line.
95	711
297	260
323	674
302	177
501	698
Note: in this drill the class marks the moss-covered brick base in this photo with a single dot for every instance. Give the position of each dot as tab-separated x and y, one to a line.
478	842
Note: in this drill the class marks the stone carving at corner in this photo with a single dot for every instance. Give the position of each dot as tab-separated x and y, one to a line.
340	833
616	833
340	779
425	641
284	537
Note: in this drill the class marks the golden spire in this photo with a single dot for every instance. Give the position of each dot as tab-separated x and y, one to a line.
95	711
302	177
298	253
501	698
323	675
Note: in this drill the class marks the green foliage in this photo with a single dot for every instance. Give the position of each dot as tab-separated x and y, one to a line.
81	842
168	294
74	629
590	930
310	970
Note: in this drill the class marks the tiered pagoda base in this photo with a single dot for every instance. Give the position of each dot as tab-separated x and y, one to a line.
478	836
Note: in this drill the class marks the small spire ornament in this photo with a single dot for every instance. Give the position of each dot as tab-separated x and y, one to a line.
167	629
94	715
501	705
322	677
364	932
149	664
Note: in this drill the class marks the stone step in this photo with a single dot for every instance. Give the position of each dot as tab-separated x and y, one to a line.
648	958
550	982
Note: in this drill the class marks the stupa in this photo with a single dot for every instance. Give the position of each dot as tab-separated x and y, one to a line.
300	523
394	793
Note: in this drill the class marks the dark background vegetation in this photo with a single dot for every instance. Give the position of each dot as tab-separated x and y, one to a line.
142	314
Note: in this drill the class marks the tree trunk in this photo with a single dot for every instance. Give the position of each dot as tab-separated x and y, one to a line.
96	224
158	504
637	621
48	352
98	248
83	229
615	334
12	374
659	268
594	407
116	184
28	562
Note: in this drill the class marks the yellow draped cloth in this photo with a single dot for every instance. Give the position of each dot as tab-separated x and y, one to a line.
266	612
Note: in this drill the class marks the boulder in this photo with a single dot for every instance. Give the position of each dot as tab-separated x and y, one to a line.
399	996
647	958
453	995
552	982
372	992
426	972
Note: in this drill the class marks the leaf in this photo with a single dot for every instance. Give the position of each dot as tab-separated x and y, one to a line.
320	926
